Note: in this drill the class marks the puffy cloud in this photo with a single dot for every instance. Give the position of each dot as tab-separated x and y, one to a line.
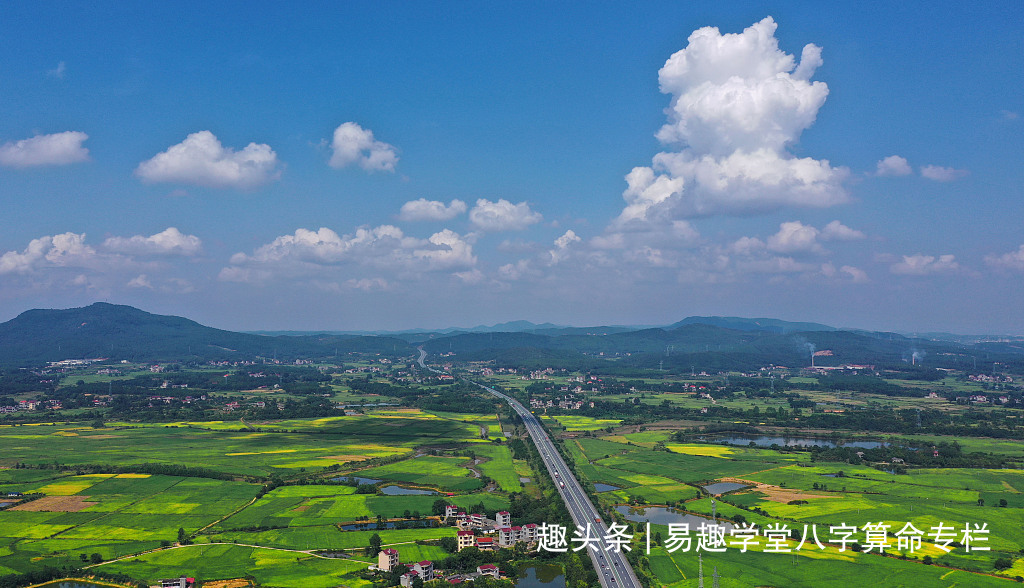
568	238
56	149
430	210
645	191
384	247
445	250
140	281
856	274
65	249
736	91
354	144
1009	114
502	215
201	160
738	102
795	237
562	243
747	246
170	241
67	260
1014	260
919	265
942	174
837	231
894	165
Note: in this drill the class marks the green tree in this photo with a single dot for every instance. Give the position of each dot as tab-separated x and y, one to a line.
375	543
96	558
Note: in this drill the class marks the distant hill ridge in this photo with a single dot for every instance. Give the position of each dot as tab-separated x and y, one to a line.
124	332
767	325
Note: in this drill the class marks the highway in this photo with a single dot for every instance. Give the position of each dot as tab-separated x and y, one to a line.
613	569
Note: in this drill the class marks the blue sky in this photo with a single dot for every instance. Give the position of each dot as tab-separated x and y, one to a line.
368	166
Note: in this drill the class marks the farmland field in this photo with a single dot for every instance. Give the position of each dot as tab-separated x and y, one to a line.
122	515
787	488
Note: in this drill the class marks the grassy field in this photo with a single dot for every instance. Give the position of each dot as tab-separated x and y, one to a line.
232	447
924	497
126	515
111	515
450	473
274	567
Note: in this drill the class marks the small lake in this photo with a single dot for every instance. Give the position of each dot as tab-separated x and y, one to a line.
71	584
723	487
357	479
768	441
5	504
541	576
399	491
660	515
605	487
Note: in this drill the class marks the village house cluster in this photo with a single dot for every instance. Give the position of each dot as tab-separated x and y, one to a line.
507	534
389	560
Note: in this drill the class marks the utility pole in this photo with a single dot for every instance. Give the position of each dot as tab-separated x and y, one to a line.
700	570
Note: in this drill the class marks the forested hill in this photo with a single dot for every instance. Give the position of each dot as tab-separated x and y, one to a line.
123	332
701	346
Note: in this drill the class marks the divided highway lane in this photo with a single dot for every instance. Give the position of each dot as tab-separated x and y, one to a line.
612	567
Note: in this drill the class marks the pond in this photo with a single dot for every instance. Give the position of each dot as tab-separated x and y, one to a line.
72	584
541	576
5	504
768	441
660	515
357	479
605	487
399	491
723	487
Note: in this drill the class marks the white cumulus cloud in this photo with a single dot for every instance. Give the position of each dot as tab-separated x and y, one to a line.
62	250
837	231
431	210
386	247
170	241
858	275
1014	260
502	215
942	174
738	103
201	160
919	265
140	281
56	149
795	237
894	165
354	144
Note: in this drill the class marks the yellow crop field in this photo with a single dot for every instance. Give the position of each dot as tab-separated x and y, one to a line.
702	450
73	485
